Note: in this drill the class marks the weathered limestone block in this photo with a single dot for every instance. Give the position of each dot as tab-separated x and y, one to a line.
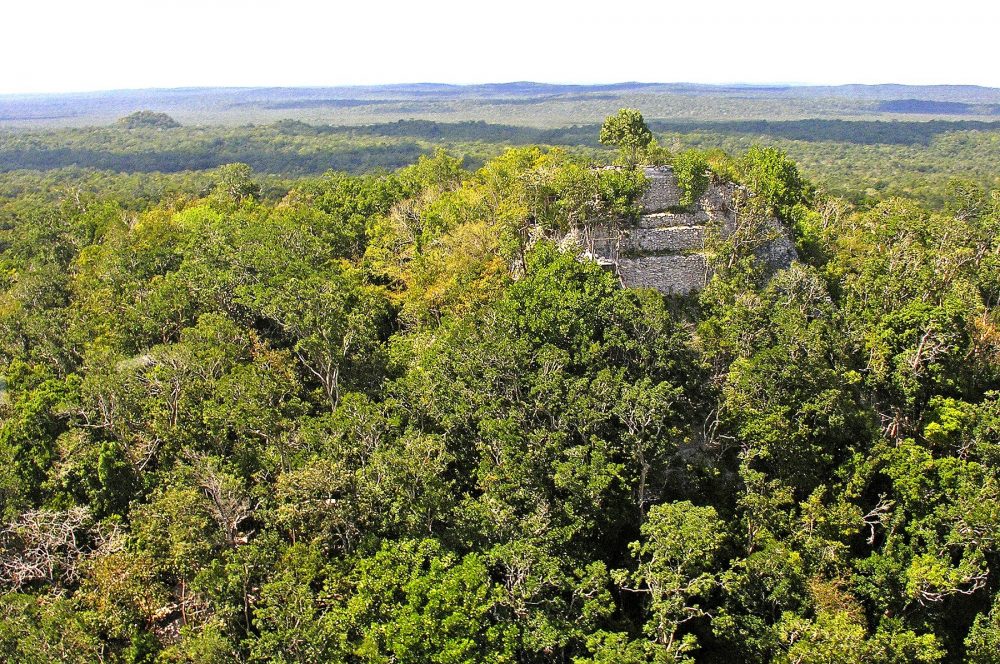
669	238
663	192
779	253
599	240
606	245
719	199
678	274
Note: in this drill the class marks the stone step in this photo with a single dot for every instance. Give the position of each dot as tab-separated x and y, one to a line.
665	238
659	219
678	274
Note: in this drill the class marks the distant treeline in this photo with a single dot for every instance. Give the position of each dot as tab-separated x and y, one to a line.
925	106
455	131
862	160
861	132
268	160
267	149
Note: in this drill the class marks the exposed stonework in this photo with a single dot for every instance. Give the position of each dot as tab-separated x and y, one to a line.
678	274
663	192
661	219
664	248
666	238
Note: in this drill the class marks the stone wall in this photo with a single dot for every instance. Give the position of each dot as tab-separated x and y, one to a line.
664	248
663	192
678	274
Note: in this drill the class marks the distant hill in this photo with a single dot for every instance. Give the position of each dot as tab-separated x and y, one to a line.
148	120
930	107
517	103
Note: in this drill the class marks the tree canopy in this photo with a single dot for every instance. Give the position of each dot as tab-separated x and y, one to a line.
627	130
394	417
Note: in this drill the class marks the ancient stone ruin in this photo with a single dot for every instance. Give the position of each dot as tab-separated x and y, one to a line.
665	248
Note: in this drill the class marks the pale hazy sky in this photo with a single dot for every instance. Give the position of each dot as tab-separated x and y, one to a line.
75	45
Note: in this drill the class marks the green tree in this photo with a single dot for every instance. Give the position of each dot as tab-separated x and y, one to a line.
627	131
691	171
235	182
773	179
675	563
35	630
983	641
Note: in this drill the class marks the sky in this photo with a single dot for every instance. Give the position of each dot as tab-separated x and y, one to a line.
76	45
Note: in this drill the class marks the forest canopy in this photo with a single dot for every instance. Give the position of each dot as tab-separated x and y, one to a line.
389	417
864	161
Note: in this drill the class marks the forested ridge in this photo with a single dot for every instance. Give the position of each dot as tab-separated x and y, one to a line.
389	417
864	161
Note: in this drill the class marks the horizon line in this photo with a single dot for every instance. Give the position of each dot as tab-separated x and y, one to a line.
743	84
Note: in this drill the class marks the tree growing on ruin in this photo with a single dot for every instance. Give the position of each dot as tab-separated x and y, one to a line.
627	131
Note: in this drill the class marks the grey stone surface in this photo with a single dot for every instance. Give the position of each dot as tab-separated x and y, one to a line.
663	192
660	219
668	238
718	200
780	253
678	274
